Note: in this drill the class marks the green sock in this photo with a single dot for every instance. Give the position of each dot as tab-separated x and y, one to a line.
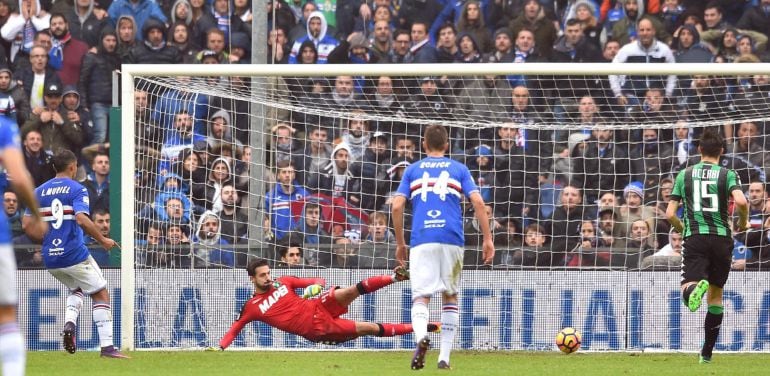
711	326
716	309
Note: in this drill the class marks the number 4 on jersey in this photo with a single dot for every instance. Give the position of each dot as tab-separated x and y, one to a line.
440	185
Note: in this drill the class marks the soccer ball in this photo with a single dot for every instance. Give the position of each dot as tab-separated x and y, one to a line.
568	340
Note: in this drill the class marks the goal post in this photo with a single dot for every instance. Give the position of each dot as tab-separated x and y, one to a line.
611	300
127	231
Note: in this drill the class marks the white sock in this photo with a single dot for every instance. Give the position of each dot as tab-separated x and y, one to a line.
74	304
420	317
12	350
450	320
103	321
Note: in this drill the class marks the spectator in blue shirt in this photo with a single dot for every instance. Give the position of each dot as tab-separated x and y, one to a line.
278	201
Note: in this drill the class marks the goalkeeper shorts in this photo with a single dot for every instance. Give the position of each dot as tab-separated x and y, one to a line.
327	326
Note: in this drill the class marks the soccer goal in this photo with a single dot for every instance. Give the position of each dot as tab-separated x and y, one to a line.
575	162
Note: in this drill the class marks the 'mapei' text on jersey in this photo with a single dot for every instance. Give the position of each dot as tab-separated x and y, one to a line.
435	187
9	139
706	189
61	199
279	307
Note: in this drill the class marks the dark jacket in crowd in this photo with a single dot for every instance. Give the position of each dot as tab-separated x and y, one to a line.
583	52
755	18
40	166
697	53
599	171
20	100
143	53
564	231
99	195
89	29
95	84
70	135
27	78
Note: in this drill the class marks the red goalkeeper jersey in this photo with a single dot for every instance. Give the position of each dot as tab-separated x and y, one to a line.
279	307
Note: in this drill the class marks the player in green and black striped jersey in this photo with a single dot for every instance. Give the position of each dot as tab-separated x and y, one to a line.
705	190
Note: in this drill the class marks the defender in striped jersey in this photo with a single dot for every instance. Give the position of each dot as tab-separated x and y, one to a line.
64	206
435	186
706	189
12	349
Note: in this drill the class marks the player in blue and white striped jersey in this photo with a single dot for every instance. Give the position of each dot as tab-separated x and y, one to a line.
12	159
64	205
435	186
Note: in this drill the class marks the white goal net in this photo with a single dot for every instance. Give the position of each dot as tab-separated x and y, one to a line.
297	165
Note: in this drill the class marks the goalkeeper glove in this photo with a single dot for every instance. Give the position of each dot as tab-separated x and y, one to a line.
311	291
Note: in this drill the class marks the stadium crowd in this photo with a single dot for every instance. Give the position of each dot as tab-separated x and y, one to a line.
585	197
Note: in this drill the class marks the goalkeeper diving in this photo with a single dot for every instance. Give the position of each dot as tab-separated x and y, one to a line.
275	303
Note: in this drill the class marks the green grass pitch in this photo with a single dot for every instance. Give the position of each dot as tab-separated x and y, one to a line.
391	363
